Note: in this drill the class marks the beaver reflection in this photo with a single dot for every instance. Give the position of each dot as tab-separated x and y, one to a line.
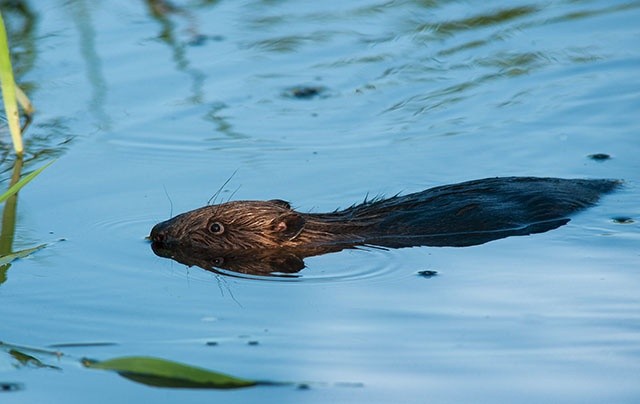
265	237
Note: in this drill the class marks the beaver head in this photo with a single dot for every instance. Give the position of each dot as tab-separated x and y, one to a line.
238	225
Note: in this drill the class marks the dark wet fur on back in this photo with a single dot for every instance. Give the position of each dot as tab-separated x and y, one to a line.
457	215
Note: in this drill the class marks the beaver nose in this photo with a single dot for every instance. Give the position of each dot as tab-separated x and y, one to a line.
156	233
159	233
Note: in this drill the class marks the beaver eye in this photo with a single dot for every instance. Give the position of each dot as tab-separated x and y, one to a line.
216	228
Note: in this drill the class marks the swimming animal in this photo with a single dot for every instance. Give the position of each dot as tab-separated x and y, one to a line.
458	215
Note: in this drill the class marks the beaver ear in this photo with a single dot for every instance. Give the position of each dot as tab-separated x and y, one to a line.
281	203
289	225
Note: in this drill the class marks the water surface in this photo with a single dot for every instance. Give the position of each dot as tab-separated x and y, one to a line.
149	110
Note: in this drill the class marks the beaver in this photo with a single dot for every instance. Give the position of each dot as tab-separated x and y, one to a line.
459	215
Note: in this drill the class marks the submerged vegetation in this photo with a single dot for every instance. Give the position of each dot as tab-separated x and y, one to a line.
11	93
12	96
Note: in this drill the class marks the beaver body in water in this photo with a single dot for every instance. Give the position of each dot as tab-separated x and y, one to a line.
458	215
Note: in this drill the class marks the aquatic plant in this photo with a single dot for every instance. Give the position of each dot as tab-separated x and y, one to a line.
8	225
150	371
23	181
11	93
164	373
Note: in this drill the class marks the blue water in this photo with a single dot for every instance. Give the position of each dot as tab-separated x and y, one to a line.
149	114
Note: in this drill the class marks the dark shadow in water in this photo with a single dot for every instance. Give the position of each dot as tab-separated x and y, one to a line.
269	238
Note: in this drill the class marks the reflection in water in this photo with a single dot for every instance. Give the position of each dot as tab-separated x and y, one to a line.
468	44
160	10
83	21
500	16
222	125
266	237
275	262
7	255
46	139
20	24
9	222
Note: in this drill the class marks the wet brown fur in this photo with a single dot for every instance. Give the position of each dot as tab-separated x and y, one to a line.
468	213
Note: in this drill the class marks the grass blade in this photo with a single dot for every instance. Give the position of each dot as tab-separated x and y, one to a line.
6	259
23	181
8	90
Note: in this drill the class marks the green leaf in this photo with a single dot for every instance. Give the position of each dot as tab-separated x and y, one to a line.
5	259
8	90
23	181
164	373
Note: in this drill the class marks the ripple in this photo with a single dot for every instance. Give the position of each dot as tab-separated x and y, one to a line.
120	222
370	265
124	222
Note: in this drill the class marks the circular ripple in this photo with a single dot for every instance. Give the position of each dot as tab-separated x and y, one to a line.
345	266
124	222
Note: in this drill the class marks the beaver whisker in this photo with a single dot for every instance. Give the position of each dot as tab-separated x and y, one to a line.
217	193
166	193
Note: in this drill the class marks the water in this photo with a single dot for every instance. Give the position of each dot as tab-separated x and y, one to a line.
149	114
